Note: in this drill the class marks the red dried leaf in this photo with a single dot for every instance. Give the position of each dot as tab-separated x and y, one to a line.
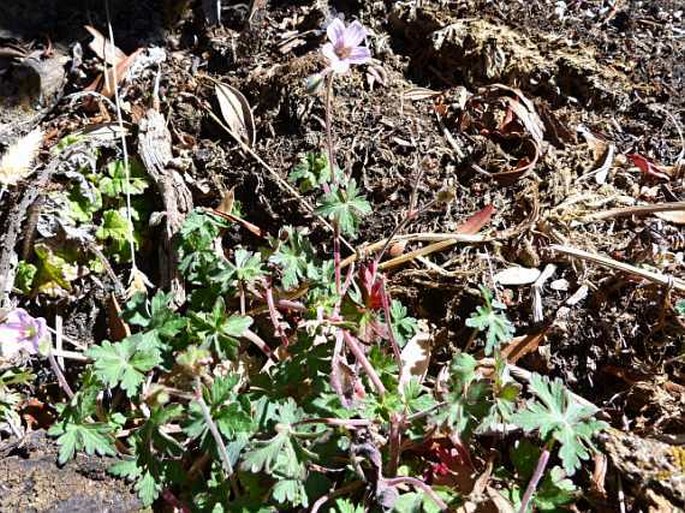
647	166
476	222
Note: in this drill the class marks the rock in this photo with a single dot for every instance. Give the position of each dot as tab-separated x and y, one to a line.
31	481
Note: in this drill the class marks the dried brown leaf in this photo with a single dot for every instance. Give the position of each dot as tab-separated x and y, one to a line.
236	112
103	48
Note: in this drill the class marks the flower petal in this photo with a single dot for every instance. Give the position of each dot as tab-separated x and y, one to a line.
10	333
340	66
328	51
335	31
354	34
9	348
359	55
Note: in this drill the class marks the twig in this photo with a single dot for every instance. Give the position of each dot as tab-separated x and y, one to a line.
70	355
427	250
120	121
58	340
662	279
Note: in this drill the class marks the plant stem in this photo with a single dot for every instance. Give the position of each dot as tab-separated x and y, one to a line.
334	178
353	344
417	483
332	421
385	299
329	127
535	479
395	439
336	259
60	376
257	340
220	446
273	314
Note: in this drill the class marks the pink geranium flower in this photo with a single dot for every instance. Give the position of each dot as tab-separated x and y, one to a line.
20	331
345	47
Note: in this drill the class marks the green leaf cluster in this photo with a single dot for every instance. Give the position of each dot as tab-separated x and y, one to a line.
557	416
491	319
345	206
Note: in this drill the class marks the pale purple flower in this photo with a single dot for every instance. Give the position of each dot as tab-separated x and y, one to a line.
20	331
345	47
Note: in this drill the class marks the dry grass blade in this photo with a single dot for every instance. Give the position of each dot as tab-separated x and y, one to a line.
236	112
673	216
655	277
453	238
639	210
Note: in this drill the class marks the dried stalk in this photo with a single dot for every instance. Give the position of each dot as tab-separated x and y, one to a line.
638	210
655	277
454	238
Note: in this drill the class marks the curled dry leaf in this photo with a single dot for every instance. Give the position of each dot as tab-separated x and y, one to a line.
529	118
103	48
15	164
236	112
105	82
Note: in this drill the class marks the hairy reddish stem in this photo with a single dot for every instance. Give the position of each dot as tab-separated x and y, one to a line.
535	479
273	314
353	345
385	299
417	483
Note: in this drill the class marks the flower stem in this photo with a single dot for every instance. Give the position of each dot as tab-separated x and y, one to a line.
535	479
329	126
336	259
